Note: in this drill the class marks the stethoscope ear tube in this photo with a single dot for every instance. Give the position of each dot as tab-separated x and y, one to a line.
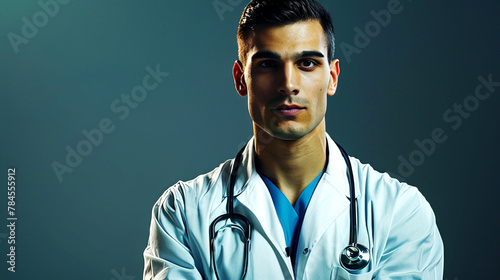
232	181
247	229
230	215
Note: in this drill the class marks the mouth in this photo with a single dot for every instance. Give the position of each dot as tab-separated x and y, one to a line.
288	110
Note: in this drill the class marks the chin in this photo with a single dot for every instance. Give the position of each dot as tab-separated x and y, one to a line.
289	135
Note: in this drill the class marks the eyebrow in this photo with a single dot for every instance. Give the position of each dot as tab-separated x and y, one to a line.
310	53
270	54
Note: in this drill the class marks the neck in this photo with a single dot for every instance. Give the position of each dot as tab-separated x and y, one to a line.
291	164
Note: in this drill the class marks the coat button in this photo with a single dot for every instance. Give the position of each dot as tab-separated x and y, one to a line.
306	250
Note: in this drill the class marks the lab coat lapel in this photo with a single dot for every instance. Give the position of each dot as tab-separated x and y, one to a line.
252	193
258	200
329	201
260	210
326	205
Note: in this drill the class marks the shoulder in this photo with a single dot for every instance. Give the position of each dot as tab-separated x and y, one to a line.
376	184
193	191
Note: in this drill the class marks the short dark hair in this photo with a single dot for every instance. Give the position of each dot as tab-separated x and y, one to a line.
282	12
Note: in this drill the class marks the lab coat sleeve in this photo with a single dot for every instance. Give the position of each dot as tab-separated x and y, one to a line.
167	255
414	248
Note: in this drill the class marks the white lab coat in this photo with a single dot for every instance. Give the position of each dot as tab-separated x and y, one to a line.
395	222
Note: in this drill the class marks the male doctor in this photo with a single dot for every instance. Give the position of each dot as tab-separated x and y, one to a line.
291	193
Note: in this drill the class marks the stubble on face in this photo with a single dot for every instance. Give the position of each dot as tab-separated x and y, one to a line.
287	74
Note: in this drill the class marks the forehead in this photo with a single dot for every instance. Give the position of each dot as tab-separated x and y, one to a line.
288	39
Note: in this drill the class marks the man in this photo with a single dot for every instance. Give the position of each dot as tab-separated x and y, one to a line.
288	191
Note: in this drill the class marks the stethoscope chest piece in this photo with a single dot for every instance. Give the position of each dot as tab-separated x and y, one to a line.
355	257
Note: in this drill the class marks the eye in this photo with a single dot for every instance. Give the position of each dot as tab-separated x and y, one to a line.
308	63
267	64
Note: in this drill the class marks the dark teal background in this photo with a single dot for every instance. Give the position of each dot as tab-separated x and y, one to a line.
94	223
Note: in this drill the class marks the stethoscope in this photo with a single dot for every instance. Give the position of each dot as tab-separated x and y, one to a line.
353	258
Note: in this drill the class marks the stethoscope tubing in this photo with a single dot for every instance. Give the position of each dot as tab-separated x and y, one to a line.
347	262
353	227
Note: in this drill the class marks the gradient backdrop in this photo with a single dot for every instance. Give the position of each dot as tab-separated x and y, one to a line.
407	93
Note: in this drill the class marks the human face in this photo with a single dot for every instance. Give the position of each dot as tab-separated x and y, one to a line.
287	78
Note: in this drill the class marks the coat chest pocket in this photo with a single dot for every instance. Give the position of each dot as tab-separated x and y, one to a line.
338	273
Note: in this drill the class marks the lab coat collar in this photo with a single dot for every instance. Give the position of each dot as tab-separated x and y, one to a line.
335	174
336	171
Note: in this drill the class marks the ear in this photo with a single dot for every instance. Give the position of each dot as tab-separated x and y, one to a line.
334	76
239	78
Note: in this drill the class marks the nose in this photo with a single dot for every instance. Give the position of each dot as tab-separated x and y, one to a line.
290	80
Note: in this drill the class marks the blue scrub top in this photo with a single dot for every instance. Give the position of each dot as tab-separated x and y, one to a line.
291	217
